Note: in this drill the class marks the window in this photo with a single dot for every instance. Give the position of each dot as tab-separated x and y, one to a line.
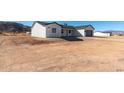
62	31
69	31
53	30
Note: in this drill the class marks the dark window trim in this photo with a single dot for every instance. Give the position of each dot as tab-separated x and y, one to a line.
54	30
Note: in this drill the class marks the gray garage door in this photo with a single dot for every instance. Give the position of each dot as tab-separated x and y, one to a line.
88	33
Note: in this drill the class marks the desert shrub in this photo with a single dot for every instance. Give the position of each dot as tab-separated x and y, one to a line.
121	35
13	33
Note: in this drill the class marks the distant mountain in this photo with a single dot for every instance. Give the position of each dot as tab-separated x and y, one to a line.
114	32
13	27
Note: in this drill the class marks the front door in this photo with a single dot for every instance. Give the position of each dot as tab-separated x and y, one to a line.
63	33
69	32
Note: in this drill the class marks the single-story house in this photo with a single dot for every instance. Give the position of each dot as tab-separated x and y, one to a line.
101	34
53	29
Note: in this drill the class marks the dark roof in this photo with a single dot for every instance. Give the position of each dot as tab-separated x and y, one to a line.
67	26
46	23
63	26
83	27
42	23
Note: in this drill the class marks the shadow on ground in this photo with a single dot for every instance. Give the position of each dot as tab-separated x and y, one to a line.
72	38
100	37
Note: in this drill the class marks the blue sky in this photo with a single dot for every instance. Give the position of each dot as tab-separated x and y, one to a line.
99	25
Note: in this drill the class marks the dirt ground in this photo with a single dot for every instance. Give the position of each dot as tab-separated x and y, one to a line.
23	53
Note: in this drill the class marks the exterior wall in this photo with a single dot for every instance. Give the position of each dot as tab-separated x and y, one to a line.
100	34
49	30
38	31
79	33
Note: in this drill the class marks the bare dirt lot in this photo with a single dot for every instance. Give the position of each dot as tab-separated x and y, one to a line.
23	53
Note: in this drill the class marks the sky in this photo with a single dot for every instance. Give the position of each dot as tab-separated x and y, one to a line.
99	25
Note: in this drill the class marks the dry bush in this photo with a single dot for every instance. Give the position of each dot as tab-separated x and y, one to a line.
24	40
0	32
31	41
7	33
13	33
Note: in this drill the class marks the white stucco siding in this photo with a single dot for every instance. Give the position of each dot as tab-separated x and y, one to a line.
100	34
49	32
38	31
79	33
